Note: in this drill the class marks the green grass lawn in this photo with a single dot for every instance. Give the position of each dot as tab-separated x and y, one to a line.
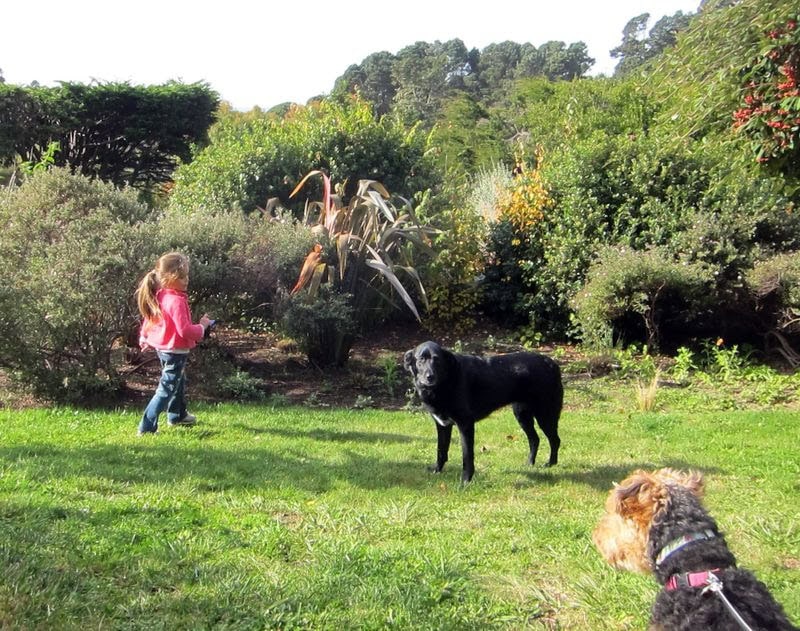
270	517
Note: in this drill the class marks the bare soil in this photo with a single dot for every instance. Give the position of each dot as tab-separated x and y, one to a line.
274	367
373	376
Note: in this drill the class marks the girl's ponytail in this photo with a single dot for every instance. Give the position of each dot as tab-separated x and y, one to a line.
146	296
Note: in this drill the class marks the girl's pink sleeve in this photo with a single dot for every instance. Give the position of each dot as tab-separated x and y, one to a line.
183	321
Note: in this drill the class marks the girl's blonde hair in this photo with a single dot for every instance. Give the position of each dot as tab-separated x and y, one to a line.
169	269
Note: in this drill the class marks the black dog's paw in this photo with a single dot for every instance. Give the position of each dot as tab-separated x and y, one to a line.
435	468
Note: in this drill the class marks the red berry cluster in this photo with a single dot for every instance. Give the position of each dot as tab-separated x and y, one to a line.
771	96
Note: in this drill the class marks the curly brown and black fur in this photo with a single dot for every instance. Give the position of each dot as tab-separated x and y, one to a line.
645	515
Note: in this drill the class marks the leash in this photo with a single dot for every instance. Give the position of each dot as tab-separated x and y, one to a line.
715	585
710	582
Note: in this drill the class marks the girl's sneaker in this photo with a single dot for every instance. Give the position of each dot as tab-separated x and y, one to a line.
189	419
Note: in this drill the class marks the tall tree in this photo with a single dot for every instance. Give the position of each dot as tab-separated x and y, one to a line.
560	61
498	63
631	52
664	33
530	64
372	79
426	74
637	48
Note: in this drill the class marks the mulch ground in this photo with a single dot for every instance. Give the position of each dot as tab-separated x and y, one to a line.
372	377
284	371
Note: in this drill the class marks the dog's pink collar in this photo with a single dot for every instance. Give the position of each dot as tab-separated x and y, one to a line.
691	579
677	544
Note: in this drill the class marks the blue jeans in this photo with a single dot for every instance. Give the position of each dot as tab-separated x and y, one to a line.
170	394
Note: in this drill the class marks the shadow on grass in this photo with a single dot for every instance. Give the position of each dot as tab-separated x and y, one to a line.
210	469
330	436
603	477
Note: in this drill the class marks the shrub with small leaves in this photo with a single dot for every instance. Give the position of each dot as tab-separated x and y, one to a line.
774	284
452	278
323	324
72	251
240	264
639	296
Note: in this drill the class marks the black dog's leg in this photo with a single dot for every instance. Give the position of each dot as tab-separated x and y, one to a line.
467	431
550	428
443	435
525	419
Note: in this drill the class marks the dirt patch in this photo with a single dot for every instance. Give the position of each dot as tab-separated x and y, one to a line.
372	377
273	367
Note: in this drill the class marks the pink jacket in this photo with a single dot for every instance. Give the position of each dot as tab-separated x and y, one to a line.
174	331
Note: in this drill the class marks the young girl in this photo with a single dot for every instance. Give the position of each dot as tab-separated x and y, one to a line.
167	327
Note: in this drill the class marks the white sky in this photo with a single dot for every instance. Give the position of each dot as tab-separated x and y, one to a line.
266	52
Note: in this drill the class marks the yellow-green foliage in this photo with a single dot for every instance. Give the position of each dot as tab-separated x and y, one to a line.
453	292
526	200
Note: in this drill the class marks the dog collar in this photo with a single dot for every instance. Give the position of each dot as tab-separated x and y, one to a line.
677	544
691	579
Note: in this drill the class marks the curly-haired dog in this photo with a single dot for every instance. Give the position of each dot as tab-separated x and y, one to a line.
463	389
655	522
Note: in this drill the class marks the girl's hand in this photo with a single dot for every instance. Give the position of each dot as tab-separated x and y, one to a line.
205	321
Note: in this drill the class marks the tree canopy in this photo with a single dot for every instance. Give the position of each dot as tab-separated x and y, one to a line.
637	48
422	76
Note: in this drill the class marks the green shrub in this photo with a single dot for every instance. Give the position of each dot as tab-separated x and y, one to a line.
739	219
777	278
239	263
323	325
608	191
563	113
72	251
774	285
452	278
253	159
634	296
502	286
264	265
640	193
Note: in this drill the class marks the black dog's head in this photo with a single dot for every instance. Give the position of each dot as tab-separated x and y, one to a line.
429	363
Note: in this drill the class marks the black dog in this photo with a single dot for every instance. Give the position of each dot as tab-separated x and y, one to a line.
463	389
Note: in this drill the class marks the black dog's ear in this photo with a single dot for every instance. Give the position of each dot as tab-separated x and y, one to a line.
409	363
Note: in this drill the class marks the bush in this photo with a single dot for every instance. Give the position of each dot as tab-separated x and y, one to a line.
639	193
770	108
323	325
740	218
239	263
502	287
774	285
642	296
252	160
72	251
452	278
